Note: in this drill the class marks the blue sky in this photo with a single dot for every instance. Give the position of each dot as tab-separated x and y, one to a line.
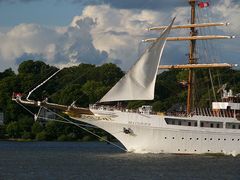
45	12
69	32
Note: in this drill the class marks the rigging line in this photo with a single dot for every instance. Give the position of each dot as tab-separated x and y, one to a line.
76	124
66	122
25	108
214	94
214	53
29	94
71	82
205	48
39	81
202	60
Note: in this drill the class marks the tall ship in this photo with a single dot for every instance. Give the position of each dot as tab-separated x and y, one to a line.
190	131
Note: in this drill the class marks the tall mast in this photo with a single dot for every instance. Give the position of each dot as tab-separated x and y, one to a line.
192	58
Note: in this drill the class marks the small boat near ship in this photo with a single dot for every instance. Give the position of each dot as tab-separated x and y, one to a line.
193	131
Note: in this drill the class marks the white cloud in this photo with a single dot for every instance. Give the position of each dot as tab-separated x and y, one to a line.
230	12
54	45
100	34
119	31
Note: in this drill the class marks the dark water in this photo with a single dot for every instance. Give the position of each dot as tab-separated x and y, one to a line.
77	160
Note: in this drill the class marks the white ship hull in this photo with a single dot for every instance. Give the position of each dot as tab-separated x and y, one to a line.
151	133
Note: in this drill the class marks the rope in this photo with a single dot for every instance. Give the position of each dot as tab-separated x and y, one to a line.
76	124
73	123
39	81
29	94
26	108
66	122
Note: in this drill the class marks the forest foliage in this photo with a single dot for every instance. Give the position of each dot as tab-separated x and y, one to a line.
86	84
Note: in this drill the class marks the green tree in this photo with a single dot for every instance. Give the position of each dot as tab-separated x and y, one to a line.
36	128
54	130
2	131
94	90
41	136
25	123
13	130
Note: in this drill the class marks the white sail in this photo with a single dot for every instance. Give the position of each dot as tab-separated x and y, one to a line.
139	82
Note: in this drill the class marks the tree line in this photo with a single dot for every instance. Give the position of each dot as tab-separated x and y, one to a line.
86	84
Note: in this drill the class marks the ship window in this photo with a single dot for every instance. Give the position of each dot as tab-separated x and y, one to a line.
210	139
233	126
182	138
232	139
219	139
238	126
224	139
180	122
190	138
205	138
172	137
211	124
165	137
197	138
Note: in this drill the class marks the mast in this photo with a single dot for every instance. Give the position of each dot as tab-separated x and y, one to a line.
192	58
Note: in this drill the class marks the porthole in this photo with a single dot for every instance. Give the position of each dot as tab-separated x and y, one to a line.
208	150
219	139
232	139
224	139
165	137
172	137
238	139
210	139
182	138
195	150
178	149
190	138
205	139
197	138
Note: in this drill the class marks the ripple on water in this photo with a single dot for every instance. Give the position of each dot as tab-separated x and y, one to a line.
94	160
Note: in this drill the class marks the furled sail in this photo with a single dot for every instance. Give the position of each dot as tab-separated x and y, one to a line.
139	82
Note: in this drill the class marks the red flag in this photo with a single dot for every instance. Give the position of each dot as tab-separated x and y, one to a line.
203	4
15	95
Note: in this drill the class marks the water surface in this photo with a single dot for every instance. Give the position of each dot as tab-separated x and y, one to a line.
94	160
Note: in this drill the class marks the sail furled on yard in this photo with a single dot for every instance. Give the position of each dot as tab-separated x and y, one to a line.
139	82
